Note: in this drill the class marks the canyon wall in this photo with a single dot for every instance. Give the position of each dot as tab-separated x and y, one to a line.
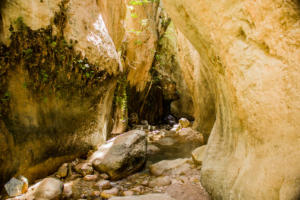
59	68
249	53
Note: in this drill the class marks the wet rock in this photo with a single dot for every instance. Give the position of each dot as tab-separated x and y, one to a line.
63	171
171	167
110	193
91	177
184	123
198	154
104	184
145	197
48	189
160	181
187	192
15	187
84	169
122	155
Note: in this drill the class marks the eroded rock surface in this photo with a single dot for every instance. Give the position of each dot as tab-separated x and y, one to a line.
249	57
57	77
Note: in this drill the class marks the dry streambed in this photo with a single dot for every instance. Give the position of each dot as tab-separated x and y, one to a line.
136	165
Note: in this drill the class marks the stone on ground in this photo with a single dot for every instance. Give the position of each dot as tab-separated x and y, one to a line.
171	167
48	189
198	154
122	155
184	123
93	177
145	197
104	184
84	169
110	193
62	171
15	187
160	181
187	192
188	134
152	149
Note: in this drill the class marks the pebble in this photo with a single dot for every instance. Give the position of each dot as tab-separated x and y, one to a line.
104	184
104	176
84	169
128	193
90	177
160	181
110	193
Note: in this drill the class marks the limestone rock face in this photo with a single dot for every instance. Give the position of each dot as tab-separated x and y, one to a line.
248	52
58	73
196	79
141	39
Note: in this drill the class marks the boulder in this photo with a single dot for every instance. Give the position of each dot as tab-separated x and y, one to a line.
122	155
62	171
67	192
184	123
49	189
198	154
188	134
171	167
145	197
15	187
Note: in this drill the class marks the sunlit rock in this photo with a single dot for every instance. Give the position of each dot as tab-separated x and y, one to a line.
171	167
49	189
63	171
15	187
122	155
184	123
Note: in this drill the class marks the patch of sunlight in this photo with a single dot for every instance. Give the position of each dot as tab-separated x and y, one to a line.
102	40
100	153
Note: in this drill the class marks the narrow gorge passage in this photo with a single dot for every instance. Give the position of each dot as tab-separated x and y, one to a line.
150	99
